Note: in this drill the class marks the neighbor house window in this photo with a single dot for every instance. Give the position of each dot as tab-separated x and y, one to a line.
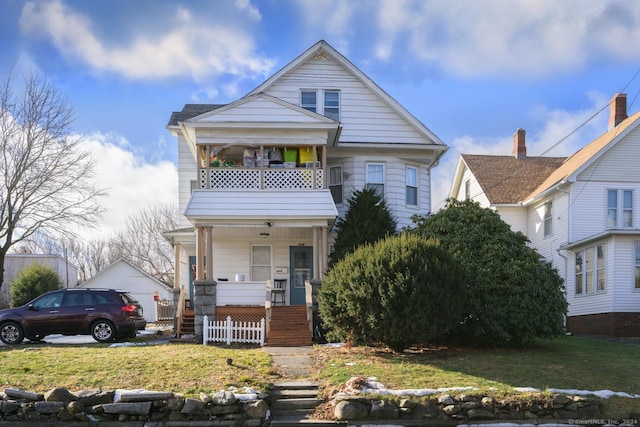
467	190
619	208
375	177
325	102
548	218
335	183
412	185
260	263
636	245
591	270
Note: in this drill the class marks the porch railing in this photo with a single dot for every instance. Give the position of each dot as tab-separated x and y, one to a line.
234	178
164	311
228	331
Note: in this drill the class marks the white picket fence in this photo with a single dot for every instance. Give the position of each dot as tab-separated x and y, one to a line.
228	331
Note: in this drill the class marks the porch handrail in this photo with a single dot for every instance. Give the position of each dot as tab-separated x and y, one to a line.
180	310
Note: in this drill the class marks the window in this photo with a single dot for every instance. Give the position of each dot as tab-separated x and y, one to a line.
375	177
548	218
332	104
619	208
412	186
260	263
467	190
591	270
335	183
308	100
329	100
637	252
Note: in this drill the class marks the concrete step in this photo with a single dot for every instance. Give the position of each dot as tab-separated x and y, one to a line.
299	403
294	394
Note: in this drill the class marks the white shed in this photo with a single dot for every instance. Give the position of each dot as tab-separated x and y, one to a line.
123	275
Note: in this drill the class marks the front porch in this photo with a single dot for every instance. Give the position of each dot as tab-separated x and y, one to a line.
286	325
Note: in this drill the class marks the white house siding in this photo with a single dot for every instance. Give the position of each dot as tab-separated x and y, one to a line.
141	286
186	174
626	299
475	191
515	216
364	117
618	164
394	185
595	303
546	245
589	207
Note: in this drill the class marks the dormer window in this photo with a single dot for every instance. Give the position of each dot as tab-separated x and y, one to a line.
619	208
325	102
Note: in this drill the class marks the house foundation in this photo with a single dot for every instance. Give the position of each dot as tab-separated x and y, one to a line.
204	304
610	324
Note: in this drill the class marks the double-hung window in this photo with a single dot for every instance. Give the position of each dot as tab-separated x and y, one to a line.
548	218
335	183
260	263
412	185
619	208
375	177
591	270
325	102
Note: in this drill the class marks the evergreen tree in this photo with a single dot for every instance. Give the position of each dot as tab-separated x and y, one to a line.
368	219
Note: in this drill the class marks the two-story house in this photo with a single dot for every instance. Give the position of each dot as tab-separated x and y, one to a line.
263	180
581	213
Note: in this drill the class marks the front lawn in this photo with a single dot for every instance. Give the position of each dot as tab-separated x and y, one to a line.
566	363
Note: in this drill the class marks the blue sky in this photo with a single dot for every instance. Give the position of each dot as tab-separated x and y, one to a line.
472	71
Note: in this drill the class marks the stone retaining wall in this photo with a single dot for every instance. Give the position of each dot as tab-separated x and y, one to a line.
464	408
60	405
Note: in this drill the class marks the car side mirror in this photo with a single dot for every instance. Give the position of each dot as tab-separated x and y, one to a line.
33	307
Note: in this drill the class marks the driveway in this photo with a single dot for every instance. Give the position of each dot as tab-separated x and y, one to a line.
88	339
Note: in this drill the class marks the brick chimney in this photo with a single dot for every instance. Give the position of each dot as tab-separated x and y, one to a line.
519	146
617	109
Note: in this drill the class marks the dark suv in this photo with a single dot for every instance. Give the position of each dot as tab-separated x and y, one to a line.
104	314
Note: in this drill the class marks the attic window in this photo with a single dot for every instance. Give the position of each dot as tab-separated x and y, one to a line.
325	102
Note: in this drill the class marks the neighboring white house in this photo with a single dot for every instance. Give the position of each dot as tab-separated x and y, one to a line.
123	275
263	179
582	214
15	263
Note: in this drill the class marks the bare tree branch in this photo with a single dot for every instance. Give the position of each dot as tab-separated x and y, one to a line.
47	181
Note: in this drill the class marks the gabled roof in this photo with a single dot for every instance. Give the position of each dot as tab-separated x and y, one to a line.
191	110
323	48
587	155
279	112
127	263
507	180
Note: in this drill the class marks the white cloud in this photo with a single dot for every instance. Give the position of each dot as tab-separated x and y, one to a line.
526	38
567	131
132	183
253	11
192	45
330	18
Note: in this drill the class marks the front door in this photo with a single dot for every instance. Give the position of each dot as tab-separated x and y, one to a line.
301	262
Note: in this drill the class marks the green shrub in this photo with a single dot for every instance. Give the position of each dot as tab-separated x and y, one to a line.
33	281
367	220
513	298
402	290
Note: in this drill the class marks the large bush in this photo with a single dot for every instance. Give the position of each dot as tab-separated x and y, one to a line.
402	290
33	281
513	298
367	220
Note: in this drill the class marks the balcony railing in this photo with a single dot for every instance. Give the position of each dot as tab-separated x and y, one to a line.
238	178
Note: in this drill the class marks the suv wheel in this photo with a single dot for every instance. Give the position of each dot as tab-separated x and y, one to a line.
11	333
103	331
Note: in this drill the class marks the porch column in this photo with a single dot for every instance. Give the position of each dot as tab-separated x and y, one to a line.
177	247
209	252
316	253
325	251
199	252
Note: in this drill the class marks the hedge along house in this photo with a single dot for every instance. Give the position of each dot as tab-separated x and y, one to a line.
263	180
581	213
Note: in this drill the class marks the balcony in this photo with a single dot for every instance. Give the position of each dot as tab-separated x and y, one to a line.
263	168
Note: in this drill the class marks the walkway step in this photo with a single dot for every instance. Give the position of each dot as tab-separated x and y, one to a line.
291	402
285	404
